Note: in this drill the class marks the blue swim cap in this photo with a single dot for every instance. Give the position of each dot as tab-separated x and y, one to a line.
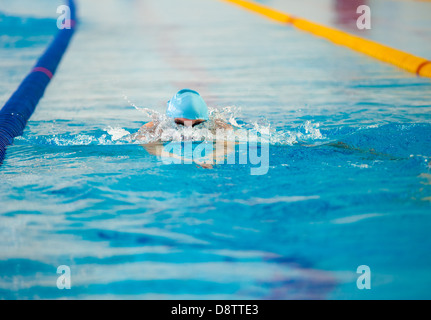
187	104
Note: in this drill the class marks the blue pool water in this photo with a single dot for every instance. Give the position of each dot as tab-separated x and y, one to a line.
348	183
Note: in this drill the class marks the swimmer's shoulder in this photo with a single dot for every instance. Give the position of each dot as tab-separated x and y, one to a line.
146	128
220	124
149	125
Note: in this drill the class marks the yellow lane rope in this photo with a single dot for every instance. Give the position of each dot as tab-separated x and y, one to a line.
401	59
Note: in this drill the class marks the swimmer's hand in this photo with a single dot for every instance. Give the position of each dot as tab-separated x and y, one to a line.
156	149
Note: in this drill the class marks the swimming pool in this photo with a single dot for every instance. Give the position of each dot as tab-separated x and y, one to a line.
348	184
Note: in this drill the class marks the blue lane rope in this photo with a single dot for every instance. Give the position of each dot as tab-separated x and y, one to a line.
21	105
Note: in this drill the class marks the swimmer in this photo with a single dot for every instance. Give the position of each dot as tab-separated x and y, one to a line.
187	108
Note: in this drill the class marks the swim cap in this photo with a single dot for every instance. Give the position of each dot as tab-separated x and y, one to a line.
187	104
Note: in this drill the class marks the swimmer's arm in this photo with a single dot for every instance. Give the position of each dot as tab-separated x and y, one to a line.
219	156
145	128
228	147
156	149
153	148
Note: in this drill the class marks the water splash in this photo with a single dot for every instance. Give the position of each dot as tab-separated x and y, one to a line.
258	131
165	129
117	133
148	113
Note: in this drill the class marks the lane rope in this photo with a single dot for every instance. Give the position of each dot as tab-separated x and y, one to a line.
21	105
401	59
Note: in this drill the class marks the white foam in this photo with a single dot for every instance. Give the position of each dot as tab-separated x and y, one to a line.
117	133
259	131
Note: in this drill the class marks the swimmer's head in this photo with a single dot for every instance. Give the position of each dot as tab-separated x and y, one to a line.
187	106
